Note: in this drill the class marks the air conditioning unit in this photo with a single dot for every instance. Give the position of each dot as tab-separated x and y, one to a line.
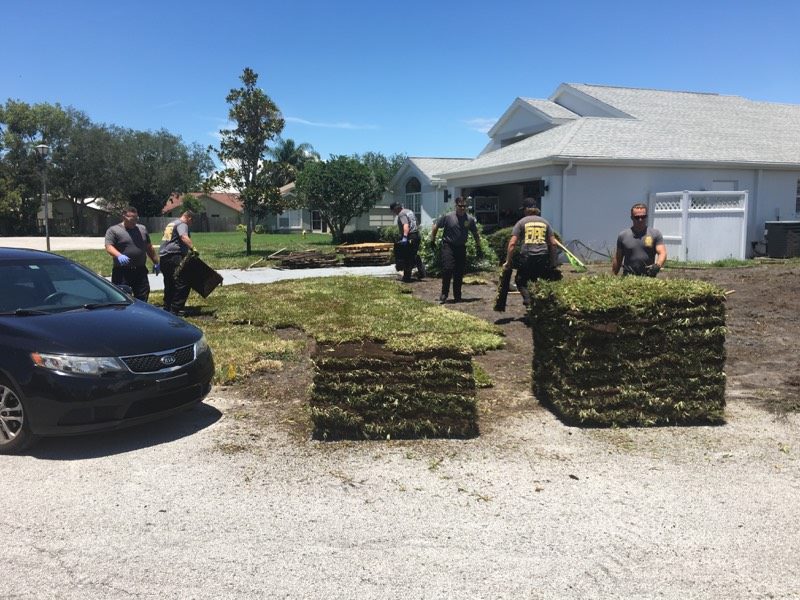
783	238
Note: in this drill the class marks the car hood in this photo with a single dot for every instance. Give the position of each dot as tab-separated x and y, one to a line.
113	331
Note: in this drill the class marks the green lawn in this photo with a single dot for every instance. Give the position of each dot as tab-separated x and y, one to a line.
221	250
241	321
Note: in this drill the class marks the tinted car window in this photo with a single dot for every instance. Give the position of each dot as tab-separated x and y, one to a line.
52	285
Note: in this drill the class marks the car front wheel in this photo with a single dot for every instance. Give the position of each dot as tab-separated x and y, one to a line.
15	433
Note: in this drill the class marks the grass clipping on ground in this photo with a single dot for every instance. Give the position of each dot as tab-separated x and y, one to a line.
387	365
629	350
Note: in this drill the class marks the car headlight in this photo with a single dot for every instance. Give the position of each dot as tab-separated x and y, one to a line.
77	365
200	346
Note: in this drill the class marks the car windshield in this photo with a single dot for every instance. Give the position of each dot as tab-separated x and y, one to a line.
41	286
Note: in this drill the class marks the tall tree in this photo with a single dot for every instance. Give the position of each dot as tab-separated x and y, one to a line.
340	189
243	150
84	166
382	167
154	165
291	157
22	126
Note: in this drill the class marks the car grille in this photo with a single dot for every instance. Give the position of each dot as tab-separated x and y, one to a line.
152	363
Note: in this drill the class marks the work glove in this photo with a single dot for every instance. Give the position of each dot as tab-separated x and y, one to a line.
123	260
156	269
404	240
194	251
652	270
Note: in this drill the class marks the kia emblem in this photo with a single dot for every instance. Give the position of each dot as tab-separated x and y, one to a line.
169	359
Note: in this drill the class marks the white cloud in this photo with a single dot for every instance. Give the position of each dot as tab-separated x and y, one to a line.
341	125
168	104
481	124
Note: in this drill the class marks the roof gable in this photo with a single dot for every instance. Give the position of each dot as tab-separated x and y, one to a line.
634	125
527	116
426	169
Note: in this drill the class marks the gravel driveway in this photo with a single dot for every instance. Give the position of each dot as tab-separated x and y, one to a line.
232	500
208	506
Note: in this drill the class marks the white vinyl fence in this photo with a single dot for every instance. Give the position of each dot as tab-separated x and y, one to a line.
701	226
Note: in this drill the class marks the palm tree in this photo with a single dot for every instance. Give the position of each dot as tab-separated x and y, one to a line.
291	158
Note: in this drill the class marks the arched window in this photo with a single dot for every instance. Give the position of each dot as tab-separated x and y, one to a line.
414	197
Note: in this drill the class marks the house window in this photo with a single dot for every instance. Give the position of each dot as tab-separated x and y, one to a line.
797	199
290	219
414	198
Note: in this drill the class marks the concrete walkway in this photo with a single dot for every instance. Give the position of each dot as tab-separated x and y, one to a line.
229	276
232	276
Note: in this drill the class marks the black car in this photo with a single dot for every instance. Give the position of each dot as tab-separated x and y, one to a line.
77	354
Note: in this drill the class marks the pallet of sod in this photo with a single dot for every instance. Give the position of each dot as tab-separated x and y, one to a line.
363	391
629	350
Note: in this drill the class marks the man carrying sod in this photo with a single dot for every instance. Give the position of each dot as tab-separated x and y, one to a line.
537	257
457	226
408	245
640	249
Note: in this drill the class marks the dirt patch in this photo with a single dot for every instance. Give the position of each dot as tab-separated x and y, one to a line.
761	344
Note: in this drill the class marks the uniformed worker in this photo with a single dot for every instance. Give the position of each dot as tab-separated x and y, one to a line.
409	240
175	245
129	245
537	252
640	249
457	226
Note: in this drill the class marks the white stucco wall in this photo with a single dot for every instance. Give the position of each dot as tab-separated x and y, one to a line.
598	199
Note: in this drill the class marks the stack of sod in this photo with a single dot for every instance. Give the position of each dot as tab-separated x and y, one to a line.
364	391
629	350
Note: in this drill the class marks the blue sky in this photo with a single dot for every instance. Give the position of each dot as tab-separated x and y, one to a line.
421	78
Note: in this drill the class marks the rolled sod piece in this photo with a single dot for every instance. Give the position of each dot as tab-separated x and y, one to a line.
629	350
503	285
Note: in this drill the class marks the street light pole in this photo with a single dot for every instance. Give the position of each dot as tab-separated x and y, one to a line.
42	150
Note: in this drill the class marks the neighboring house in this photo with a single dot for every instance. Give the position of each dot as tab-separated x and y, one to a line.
590	151
95	217
296	220
417	187
223	211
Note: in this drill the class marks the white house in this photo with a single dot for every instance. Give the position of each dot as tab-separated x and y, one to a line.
590	151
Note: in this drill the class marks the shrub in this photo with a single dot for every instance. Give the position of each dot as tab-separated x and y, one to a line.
498	240
259	228
432	258
241	228
389	233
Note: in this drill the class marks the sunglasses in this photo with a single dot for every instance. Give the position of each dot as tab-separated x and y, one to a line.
639	218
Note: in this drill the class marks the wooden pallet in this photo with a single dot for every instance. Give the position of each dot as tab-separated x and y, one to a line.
309	259
367	254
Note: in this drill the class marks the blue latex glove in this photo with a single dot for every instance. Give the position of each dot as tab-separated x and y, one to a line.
156	269
404	240
123	260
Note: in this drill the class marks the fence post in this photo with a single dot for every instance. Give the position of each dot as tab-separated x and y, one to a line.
685	197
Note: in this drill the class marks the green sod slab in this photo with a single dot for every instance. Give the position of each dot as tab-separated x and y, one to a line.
364	391
629	350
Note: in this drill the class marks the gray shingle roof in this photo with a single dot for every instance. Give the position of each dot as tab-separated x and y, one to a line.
666	126
551	109
432	166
